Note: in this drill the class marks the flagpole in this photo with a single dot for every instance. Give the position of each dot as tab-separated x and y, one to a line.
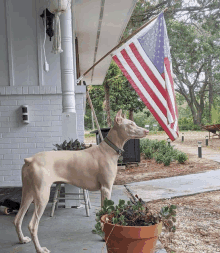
120	43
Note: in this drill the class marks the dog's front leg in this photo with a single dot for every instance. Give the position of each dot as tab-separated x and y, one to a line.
105	193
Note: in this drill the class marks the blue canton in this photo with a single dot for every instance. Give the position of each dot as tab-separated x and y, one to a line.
153	43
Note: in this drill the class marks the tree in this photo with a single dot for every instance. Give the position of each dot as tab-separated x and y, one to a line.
115	93
193	30
195	62
97	95
124	97
110	79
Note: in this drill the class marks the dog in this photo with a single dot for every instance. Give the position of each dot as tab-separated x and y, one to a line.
93	169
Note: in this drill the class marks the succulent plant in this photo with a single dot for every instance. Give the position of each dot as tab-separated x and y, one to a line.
134	213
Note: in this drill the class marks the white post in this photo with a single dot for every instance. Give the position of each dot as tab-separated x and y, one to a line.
69	124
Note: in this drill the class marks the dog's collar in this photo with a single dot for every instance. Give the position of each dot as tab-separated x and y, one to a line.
118	150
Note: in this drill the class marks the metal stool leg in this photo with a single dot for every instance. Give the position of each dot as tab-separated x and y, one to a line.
58	196
86	202
54	200
87	192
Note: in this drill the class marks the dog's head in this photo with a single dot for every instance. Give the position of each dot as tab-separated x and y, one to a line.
128	128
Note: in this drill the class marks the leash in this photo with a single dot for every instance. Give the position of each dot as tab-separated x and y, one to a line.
112	145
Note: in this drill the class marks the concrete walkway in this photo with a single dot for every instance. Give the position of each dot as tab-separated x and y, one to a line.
206	151
176	186
68	231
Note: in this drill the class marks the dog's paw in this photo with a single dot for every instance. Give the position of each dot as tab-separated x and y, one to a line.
44	250
26	239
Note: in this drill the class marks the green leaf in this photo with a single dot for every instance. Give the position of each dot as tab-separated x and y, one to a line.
110	202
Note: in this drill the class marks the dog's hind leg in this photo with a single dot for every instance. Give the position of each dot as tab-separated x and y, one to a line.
40	201
25	203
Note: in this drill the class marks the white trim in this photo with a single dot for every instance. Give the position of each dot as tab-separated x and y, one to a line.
40	90
9	40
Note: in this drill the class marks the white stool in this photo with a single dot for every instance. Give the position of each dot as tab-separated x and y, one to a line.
57	197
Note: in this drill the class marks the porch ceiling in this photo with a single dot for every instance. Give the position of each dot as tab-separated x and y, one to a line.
99	25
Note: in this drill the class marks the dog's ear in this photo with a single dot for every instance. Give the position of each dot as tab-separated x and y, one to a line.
118	117
124	116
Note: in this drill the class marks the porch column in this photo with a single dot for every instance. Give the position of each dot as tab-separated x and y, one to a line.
69	124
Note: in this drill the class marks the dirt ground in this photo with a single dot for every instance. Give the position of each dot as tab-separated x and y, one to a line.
149	169
198	216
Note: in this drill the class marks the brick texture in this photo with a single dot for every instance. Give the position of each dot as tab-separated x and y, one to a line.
19	140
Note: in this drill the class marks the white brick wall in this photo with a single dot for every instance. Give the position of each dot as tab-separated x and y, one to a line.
19	140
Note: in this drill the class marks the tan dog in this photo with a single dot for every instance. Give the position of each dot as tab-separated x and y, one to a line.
93	169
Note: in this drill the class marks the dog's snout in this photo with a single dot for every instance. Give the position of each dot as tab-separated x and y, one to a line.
146	131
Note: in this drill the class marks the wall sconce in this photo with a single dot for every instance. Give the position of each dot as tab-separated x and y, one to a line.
49	24
25	116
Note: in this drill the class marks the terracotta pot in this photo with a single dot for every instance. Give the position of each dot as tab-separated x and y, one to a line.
130	239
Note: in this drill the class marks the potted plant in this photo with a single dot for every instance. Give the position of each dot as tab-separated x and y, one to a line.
131	227
71	145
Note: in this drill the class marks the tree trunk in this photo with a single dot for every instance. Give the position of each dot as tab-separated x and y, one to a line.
107	99
210	92
131	115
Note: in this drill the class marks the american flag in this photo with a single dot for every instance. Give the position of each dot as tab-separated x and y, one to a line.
146	62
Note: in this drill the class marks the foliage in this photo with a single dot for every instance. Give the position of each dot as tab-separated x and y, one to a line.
148	153
181	157
167	160
161	151
194	32
159	158
195	62
187	124
97	96
122	95
135	213
71	145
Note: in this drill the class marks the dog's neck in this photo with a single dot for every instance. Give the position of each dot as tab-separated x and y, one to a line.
117	138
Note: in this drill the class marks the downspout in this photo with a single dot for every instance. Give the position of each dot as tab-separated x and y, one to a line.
66	64
69	117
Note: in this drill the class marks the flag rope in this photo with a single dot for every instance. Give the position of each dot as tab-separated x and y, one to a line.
93	111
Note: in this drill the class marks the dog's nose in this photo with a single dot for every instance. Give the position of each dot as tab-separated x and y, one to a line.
146	131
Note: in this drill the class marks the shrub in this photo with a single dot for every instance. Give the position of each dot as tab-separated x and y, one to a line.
160	150
144	143
159	158
155	144
181	157
167	160
148	153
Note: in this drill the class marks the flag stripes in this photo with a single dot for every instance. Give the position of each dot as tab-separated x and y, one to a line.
146	63
147	101
147	85
153	96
